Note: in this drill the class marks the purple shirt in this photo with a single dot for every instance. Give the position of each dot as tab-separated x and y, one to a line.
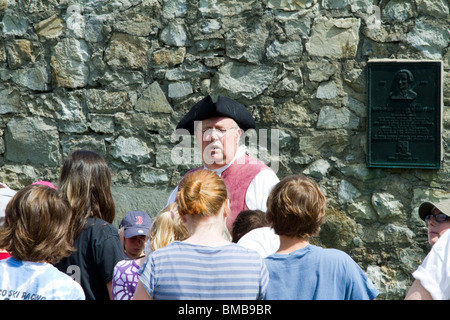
125	279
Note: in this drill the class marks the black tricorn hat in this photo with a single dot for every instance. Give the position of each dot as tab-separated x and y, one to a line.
223	107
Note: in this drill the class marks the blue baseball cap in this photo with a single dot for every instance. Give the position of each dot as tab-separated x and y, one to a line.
136	223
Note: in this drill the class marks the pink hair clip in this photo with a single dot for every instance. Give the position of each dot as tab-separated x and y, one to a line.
172	214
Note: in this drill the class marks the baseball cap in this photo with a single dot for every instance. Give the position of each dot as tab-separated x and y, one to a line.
136	223
426	207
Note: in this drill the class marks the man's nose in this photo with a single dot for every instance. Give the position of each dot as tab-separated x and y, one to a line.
215	134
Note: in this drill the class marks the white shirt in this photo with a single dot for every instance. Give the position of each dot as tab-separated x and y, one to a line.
258	190
26	280
434	272
263	240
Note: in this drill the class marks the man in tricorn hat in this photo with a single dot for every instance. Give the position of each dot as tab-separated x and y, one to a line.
218	126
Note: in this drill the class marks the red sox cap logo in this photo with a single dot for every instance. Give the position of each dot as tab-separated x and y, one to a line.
139	220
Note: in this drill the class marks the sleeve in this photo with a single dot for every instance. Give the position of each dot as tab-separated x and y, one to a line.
264	281
360	287
147	276
259	189
118	284
108	252
70	291
78	293
434	272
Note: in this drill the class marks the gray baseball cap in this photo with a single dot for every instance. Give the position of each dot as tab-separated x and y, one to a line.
426	207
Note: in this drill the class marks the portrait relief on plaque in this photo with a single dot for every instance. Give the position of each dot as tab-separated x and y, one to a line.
404	114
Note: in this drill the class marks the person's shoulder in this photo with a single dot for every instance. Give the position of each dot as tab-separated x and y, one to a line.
336	256
97	225
99	233
123	263
331	252
54	274
445	237
96	222
4	263
260	233
243	251
267	175
171	247
263	240
65	283
249	160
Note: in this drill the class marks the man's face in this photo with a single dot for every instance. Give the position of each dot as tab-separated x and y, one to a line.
403	83
219	139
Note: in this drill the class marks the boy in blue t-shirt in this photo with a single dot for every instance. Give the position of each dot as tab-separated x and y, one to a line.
299	270
35	233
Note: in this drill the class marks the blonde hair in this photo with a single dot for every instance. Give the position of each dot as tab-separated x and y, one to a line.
167	228
201	193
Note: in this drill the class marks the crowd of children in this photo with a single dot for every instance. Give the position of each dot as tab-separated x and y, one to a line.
59	243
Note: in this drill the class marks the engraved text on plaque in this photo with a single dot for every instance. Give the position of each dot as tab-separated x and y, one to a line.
404	114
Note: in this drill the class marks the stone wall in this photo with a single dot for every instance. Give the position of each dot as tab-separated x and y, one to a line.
116	76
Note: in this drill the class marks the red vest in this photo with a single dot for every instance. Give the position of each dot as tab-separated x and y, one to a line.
237	178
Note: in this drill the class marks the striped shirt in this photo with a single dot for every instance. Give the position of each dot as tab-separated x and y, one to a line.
187	271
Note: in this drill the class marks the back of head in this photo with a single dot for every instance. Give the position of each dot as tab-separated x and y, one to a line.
86	181
246	221
296	207
201	193
167	228
36	227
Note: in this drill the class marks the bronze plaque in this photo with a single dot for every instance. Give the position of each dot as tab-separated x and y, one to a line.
404	114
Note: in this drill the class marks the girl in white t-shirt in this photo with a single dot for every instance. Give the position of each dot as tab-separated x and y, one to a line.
36	234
